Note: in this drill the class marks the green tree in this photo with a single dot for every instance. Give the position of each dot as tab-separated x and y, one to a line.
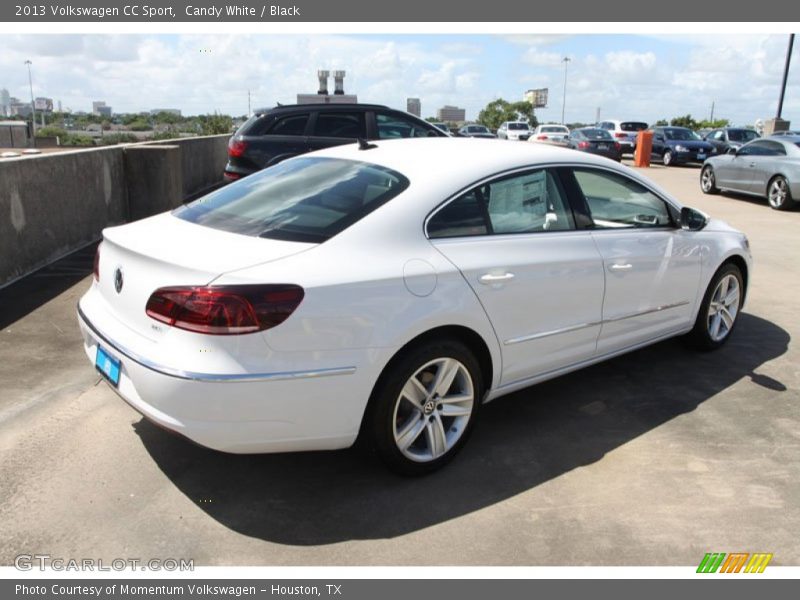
216	124
715	124
498	111
661	123
684	121
51	131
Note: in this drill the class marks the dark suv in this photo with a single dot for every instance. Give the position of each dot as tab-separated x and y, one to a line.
275	134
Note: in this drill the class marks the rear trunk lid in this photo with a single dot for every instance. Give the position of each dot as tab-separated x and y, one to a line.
161	251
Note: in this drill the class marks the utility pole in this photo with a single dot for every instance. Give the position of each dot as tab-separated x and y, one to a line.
597	116
33	104
565	60
249	112
785	75
712	113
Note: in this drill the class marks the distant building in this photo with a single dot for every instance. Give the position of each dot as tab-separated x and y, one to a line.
171	111
19	109
323	97
414	106
5	103
451	114
100	109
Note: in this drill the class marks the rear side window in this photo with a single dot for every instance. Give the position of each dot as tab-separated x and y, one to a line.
341	124
306	199
291	125
528	203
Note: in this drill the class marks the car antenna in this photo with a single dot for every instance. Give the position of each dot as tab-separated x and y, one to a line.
365	145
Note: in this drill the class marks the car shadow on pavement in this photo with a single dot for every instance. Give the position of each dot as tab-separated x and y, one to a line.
520	442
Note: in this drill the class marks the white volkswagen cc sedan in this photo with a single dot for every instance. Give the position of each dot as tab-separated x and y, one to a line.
388	289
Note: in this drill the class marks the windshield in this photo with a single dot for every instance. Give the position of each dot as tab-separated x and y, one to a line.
742	135
518	126
301	200
685	135
477	129
554	130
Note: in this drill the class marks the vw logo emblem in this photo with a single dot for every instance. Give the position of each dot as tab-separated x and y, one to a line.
428	407
118	280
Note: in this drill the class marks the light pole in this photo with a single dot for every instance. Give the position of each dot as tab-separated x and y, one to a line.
565	60
785	74
33	104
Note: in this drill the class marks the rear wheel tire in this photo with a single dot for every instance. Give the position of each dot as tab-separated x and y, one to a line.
424	406
708	181
719	311
779	195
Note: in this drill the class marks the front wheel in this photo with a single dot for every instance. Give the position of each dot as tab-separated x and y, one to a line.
666	158
708	181
424	407
779	195
719	310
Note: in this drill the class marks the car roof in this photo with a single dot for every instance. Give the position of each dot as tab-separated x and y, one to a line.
321	105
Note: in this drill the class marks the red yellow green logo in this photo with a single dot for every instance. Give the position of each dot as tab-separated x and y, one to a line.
734	562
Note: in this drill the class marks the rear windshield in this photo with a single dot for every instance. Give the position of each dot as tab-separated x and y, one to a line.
742	135
476	129
596	134
554	129
301	200
633	126
518	126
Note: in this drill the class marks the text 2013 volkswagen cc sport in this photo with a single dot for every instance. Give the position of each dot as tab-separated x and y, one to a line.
388	289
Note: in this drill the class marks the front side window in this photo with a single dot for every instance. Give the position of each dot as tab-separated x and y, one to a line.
528	203
614	201
306	199
341	124
395	127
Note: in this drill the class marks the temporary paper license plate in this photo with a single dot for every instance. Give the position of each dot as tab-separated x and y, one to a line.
107	365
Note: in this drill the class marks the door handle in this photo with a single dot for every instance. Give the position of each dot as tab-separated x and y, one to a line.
620	267
490	278
753	164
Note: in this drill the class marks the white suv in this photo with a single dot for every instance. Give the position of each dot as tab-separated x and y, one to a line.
624	132
514	130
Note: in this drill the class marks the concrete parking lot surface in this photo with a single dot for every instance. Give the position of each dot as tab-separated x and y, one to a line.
653	458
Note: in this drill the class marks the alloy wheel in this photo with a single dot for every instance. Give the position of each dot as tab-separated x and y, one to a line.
433	409
723	308
778	192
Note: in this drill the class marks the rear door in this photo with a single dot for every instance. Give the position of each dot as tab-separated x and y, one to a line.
281	138
539	279
652	267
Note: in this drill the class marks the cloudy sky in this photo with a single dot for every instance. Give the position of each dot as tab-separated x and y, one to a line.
626	76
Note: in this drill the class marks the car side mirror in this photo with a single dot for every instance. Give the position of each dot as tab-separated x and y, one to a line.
732	150
692	219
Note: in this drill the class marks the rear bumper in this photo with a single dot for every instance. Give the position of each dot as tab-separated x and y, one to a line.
281	411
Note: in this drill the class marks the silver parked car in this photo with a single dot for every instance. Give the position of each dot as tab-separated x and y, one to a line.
769	168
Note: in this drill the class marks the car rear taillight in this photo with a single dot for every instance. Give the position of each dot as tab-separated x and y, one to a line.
96	267
231	176
541	137
236	148
620	135
583	144
225	309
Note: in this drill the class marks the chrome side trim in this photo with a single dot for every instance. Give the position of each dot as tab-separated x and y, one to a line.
544	334
646	312
210	377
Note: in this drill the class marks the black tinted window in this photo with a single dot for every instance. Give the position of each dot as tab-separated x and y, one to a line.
291	125
462	217
762	148
633	126
305	199
348	125
394	126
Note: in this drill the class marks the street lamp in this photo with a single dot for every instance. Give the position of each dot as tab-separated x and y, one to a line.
33	104
565	60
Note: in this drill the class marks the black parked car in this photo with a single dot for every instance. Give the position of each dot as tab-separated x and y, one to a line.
595	141
730	138
275	134
674	145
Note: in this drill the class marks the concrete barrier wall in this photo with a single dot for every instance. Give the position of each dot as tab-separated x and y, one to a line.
53	204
